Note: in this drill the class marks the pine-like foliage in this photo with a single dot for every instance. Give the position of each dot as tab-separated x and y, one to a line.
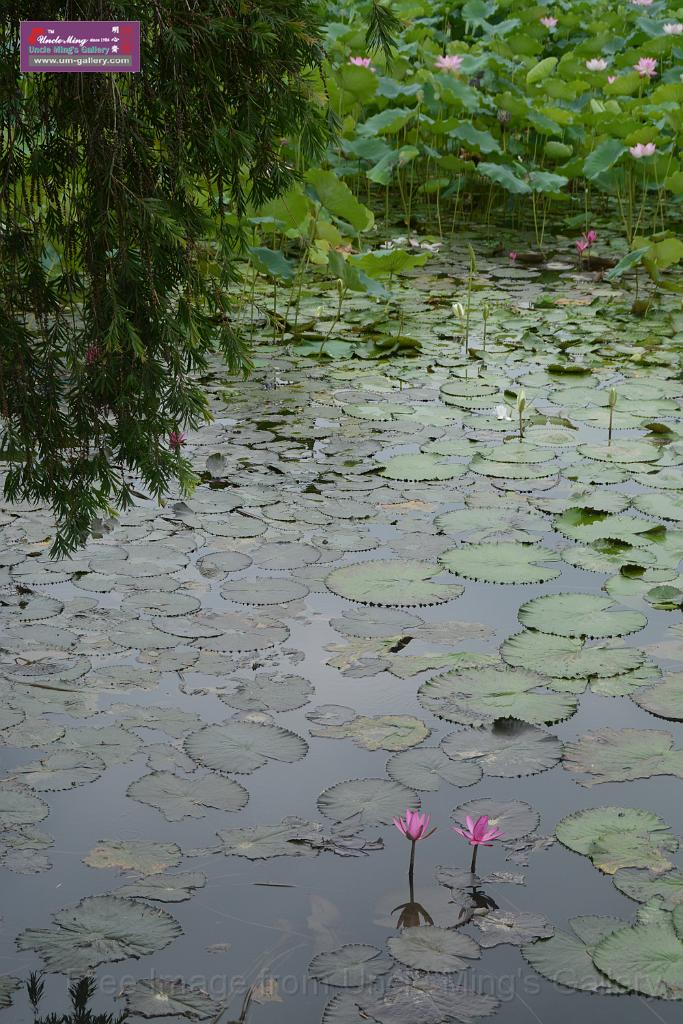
120	201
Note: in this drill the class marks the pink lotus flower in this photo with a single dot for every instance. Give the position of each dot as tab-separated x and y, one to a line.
361	62
581	246
673	28
414	826
449	62
478	832
642	149
512	255
176	440
646	67
596	64
549	22
611	78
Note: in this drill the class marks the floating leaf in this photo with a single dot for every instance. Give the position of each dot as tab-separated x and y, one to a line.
482	697
367	801
427	998
506	749
515	927
269	692
513	817
17	807
260	842
421	467
665	890
147	858
392	583
100	929
379	732
567	959
665	699
166	997
619	837
243	747
579	615
646	959
505	562
179	798
622	755
428	767
168	887
64	769
351	966
567	657
439	950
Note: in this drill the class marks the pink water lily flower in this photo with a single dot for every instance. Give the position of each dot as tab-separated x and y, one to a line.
449	62
512	255
673	28
414	826
361	62
581	246
549	22
611	78
646	67
478	832
176	440
642	149
596	64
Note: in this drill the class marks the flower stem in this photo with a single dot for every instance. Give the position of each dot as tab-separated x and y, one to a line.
412	863
473	865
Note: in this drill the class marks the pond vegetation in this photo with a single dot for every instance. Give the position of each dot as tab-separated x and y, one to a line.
429	578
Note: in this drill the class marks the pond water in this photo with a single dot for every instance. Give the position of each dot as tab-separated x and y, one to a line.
115	662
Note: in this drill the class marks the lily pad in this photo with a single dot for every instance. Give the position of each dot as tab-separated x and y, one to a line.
243	747
514	927
646	959
427	998
177	797
269	692
505	562
264	590
618	837
100	929
622	755
439	950
379	732
392	583
17	807
566	958
513	817
507	749
421	467
665	699
483	696
167	997
167	887
664	890
579	615
426	768
64	769
352	966
367	801
142	856
260	842
567	657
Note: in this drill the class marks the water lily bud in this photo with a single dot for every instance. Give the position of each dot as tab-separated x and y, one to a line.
612	400
521	400
458	310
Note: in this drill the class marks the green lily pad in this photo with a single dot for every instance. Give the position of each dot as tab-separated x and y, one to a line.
269	692
514	927
64	769
427	998
168	997
350	966
480	697
242	747
167	887
367	801
665	699
664	890
421	467
260	842
100	929
566	657
567	958
438	950
619	837
622	755
646	959
392	583
379	732
507	749
426	768
17	807
579	615
177	797
513	817
142	856
505	562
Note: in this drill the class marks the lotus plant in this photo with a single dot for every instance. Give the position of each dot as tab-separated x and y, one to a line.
642	149
673	28
521	407
549	22
478	833
596	64
415	827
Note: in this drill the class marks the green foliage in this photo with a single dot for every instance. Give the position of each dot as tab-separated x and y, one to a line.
120	204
